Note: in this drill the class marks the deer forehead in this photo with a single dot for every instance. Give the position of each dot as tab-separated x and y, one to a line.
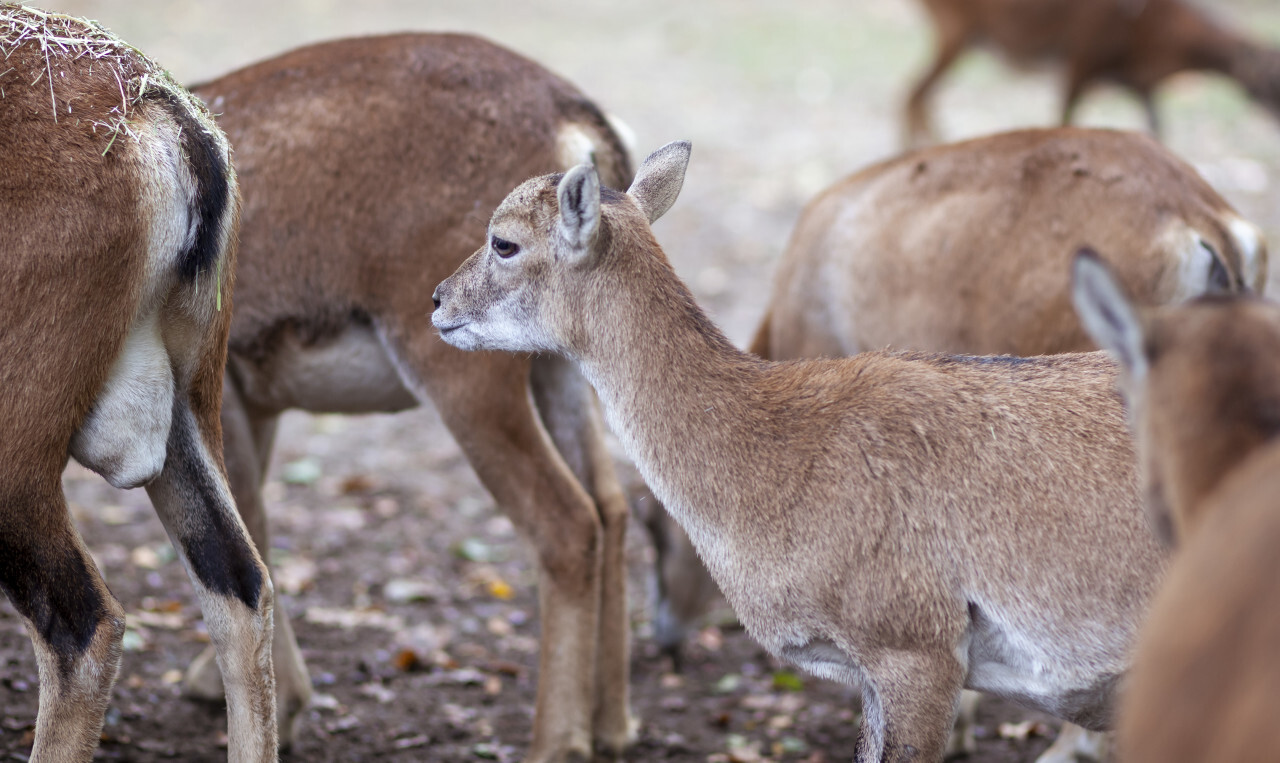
531	204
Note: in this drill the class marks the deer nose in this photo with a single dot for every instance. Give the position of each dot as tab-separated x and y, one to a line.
435	298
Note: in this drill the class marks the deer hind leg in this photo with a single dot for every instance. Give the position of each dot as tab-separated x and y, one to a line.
231	583
570	412
247	439
683	589
75	624
485	402
952	38
1075	743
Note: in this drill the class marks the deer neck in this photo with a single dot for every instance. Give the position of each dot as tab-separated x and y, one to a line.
678	395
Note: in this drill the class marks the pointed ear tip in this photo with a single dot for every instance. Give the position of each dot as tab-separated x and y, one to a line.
1087	262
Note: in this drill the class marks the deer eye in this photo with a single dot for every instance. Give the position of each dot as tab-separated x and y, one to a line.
503	248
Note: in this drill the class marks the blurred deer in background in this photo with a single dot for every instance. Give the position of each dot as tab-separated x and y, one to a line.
1203	385
966	248
1134	43
368	168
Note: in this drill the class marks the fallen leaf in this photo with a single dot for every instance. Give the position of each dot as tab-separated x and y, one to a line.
787	681
294	574
711	639
409	743
354	618
339	725
1022	731
168	621
304	471
403	591
134	641
474	550
498	626
407	660
728	683
356	483
378	691
500	589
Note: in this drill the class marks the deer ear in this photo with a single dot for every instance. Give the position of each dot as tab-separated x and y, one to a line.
659	179
579	197
1107	314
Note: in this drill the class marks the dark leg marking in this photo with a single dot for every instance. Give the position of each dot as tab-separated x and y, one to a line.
51	586
219	556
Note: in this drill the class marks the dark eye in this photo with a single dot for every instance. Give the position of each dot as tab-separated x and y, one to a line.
503	248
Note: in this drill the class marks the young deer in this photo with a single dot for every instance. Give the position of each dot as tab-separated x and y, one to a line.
911	523
1135	43
965	248
116	254
368	168
1203	382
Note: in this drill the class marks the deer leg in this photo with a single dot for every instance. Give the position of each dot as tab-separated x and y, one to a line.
684	589
1075	743
231	583
1148	102
962	741
247	438
485	402
919	129
75	624
1079	78
909	708
571	414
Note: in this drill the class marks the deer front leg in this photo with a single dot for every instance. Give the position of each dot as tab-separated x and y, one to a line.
570	412
484	400
910	702
231	582
247	438
75	624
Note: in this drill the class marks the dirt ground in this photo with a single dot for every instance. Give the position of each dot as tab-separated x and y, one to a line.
388	549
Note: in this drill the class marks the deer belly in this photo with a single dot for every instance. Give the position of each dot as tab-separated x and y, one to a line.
125	435
350	372
1076	686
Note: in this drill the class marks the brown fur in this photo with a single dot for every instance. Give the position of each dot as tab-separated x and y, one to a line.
1134	43
369	167
1206	683
88	254
967	247
870	518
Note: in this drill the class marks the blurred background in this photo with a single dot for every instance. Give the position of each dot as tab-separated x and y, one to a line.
412	599
779	99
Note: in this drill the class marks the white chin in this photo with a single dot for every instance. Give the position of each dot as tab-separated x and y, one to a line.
462	338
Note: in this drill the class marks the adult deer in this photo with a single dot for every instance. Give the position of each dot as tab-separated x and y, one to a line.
1134	43
1203	382
913	524
966	248
368	167
116	253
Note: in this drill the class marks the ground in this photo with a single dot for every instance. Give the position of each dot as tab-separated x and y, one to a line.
412	598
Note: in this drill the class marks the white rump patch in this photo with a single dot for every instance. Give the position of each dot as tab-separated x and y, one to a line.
126	434
575	144
1253	253
1190	260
